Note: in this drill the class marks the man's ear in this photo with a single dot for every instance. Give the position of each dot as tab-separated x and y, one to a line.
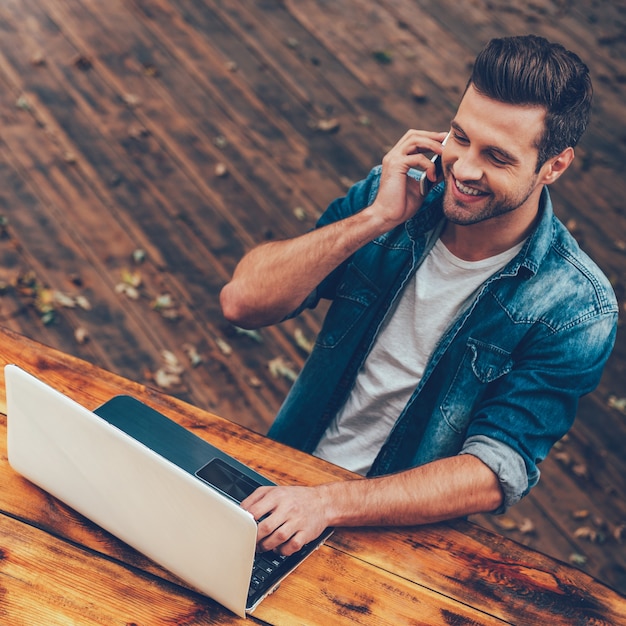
554	167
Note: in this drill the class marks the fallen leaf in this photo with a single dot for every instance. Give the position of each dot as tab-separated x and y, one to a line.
300	213
577	559
23	103
302	342
221	170
138	131
563	458
279	367
169	374
617	403
132	278
150	70
255	382
69	157
224	347
162	301
171	315
131	100
38	59
81	335
127	290
527	527
328	125
383	57
83	63
589	534
83	303
192	354
505	523
253	334
419	94
64	300
166	379
48	318
44	301
171	361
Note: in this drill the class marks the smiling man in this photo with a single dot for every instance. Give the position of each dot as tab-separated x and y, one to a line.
464	325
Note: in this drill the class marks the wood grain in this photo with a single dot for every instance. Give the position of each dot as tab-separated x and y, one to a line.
432	574
116	117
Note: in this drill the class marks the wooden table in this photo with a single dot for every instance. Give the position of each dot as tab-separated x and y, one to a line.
56	567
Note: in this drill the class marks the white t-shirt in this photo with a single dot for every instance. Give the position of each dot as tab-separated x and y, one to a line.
431	300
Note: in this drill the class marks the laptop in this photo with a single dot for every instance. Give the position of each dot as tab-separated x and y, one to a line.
151	483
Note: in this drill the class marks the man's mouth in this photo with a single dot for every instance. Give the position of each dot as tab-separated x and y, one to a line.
469	191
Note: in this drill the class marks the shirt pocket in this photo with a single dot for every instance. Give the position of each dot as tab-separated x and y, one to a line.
481	365
354	295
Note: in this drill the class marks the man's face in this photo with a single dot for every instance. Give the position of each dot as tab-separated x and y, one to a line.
490	159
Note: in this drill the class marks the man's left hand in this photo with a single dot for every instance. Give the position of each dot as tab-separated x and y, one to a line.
289	517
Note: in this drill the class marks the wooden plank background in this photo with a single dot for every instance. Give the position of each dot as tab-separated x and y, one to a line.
145	145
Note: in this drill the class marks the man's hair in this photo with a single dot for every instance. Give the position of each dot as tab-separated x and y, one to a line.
529	70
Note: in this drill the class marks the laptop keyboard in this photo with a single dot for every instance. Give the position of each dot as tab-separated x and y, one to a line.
265	566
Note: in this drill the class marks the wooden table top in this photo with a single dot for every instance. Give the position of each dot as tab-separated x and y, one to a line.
56	567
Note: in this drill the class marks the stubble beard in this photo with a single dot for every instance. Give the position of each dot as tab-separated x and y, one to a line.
466	214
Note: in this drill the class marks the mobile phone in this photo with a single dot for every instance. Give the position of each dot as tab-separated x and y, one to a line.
425	183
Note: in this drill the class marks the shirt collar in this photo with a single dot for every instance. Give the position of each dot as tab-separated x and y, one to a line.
531	254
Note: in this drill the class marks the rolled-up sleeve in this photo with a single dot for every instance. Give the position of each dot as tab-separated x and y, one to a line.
505	463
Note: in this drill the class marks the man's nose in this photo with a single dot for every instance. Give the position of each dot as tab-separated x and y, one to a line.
466	167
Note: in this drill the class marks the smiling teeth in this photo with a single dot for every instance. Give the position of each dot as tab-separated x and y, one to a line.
467	190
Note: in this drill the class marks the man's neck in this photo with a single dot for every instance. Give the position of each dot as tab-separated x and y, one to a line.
475	242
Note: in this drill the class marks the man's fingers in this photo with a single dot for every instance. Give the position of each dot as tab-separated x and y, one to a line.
256	503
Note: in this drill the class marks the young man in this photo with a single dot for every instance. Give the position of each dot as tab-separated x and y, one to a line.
465	324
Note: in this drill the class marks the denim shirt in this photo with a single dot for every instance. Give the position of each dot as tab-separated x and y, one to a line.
504	380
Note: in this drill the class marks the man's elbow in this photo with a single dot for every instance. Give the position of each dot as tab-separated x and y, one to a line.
234	307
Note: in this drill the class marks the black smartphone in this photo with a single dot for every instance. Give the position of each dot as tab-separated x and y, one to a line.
426	184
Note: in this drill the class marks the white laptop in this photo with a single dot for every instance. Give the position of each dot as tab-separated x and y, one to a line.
151	483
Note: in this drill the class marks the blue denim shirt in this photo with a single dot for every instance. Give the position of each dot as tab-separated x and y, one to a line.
503	382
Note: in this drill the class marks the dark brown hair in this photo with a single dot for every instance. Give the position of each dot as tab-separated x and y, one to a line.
530	70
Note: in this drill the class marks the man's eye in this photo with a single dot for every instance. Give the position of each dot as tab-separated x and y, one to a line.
496	160
460	138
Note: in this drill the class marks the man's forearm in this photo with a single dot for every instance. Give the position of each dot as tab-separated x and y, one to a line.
275	278
445	489
442	490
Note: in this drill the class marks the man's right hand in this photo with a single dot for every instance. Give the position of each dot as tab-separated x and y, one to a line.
399	196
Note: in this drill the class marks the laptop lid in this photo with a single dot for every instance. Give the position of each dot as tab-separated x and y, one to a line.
135	493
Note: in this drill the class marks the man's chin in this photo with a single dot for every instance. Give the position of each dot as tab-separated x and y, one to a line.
465	213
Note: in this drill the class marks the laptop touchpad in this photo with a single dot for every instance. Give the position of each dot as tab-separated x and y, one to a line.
227	479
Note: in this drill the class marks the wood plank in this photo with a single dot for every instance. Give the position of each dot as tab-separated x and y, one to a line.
55	582
483	558
45	580
508	572
162	79
391	598
158	276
